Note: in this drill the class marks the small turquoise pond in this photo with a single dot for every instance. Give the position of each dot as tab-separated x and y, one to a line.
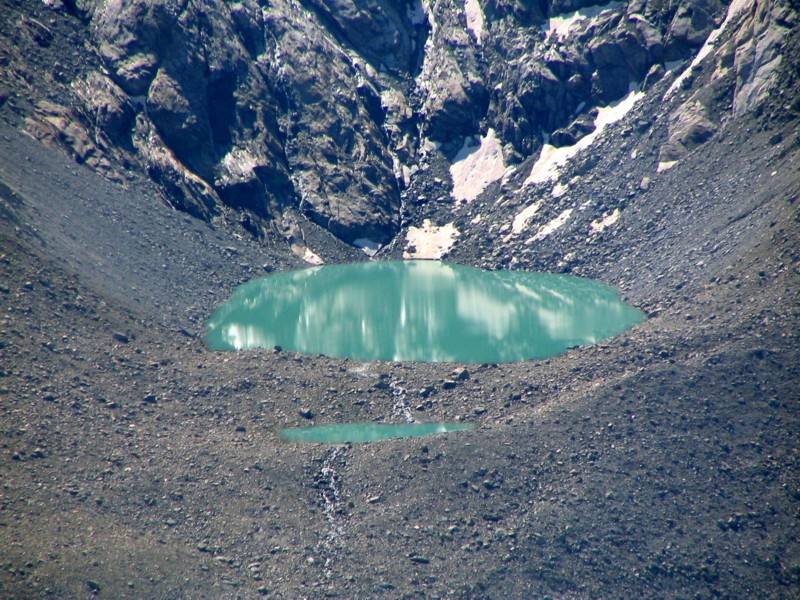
419	311
367	432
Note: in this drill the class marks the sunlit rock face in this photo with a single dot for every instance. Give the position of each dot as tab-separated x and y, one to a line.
324	112
419	311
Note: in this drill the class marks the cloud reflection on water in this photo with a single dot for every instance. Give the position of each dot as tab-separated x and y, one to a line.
419	310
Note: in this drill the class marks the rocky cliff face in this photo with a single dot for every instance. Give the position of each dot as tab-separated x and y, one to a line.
277	112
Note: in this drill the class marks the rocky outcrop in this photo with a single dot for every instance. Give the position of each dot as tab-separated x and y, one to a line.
58	125
757	50
693	22
258	104
326	108
380	32
731	76
340	163
690	126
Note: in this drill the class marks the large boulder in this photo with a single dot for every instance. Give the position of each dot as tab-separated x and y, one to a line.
690	126
693	22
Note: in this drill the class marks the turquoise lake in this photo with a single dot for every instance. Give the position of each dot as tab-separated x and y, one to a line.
367	432
419	311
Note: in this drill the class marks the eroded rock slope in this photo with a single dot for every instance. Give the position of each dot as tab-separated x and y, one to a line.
284	112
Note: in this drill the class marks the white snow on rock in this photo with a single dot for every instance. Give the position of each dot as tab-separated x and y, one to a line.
421	12
559	190
369	247
307	254
475	21
238	163
561	25
429	241
607	221
416	12
734	10
550	227
312	258
552	159
522	219
663	166
476	166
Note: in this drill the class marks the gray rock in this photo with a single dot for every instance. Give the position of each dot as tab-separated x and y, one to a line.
381	32
654	75
689	127
460	374
182	122
690	26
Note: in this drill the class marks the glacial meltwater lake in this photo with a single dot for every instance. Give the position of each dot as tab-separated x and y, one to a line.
367	432
419	311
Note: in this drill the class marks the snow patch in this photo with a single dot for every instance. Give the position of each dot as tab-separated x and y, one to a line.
607	221
416	13
475	167
639	18
552	159
561	25
734	10
663	166
559	190
521	220
369	247
424	6
475	21
430	241
307	254
238	162
402	173
550	227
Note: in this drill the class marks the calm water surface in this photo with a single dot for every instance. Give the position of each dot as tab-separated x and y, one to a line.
367	432
419	311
